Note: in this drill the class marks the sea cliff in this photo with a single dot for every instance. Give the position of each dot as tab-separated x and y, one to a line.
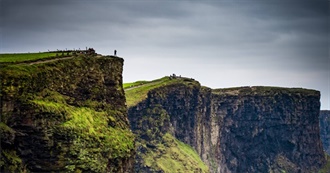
244	129
65	116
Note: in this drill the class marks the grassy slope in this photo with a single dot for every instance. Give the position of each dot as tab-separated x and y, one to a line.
137	91
172	155
19	57
25	57
90	126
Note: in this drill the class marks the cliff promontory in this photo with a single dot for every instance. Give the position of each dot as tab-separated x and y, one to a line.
245	129
65	116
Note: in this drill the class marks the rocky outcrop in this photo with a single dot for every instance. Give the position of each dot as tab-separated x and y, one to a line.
325	130
65	116
247	129
268	129
159	122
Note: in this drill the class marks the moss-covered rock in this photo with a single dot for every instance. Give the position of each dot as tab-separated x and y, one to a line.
65	116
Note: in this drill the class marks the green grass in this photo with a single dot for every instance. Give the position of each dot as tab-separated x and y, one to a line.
173	155
135	84
20	57
87	123
94	141
137	91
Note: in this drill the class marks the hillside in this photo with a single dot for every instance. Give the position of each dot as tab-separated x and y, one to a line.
65	116
243	129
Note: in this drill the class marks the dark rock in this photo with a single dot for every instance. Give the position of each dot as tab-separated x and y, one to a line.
325	130
247	129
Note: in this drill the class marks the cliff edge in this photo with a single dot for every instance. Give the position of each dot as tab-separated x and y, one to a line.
65	116
244	129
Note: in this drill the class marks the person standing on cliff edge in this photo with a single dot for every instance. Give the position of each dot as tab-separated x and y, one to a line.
115	52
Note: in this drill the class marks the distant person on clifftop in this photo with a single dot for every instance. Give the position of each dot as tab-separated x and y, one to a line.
115	52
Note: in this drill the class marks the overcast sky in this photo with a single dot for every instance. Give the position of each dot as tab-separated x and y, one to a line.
223	43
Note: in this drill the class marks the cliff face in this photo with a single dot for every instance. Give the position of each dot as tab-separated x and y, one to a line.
248	129
325	130
268	129
65	116
159	121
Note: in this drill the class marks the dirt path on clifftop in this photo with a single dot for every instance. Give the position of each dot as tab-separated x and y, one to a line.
46	61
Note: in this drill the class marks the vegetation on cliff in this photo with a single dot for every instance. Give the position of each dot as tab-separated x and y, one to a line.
170	155
243	129
65	116
263	91
137	91
20	57
157	149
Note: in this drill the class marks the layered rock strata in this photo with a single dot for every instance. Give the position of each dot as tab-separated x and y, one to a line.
246	129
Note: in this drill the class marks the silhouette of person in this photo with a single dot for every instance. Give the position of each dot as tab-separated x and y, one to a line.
115	52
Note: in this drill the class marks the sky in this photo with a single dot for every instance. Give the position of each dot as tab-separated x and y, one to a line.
223	43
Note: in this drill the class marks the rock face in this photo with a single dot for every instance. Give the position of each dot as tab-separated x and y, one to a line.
325	130
65	116
247	129
159	121
272	129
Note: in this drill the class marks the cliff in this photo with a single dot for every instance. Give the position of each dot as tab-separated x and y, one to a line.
246	129
65	116
325	137
325	130
272	129
158	150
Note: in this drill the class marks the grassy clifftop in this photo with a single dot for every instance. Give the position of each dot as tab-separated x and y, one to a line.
138	91
65	116
157	148
263	91
23	57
